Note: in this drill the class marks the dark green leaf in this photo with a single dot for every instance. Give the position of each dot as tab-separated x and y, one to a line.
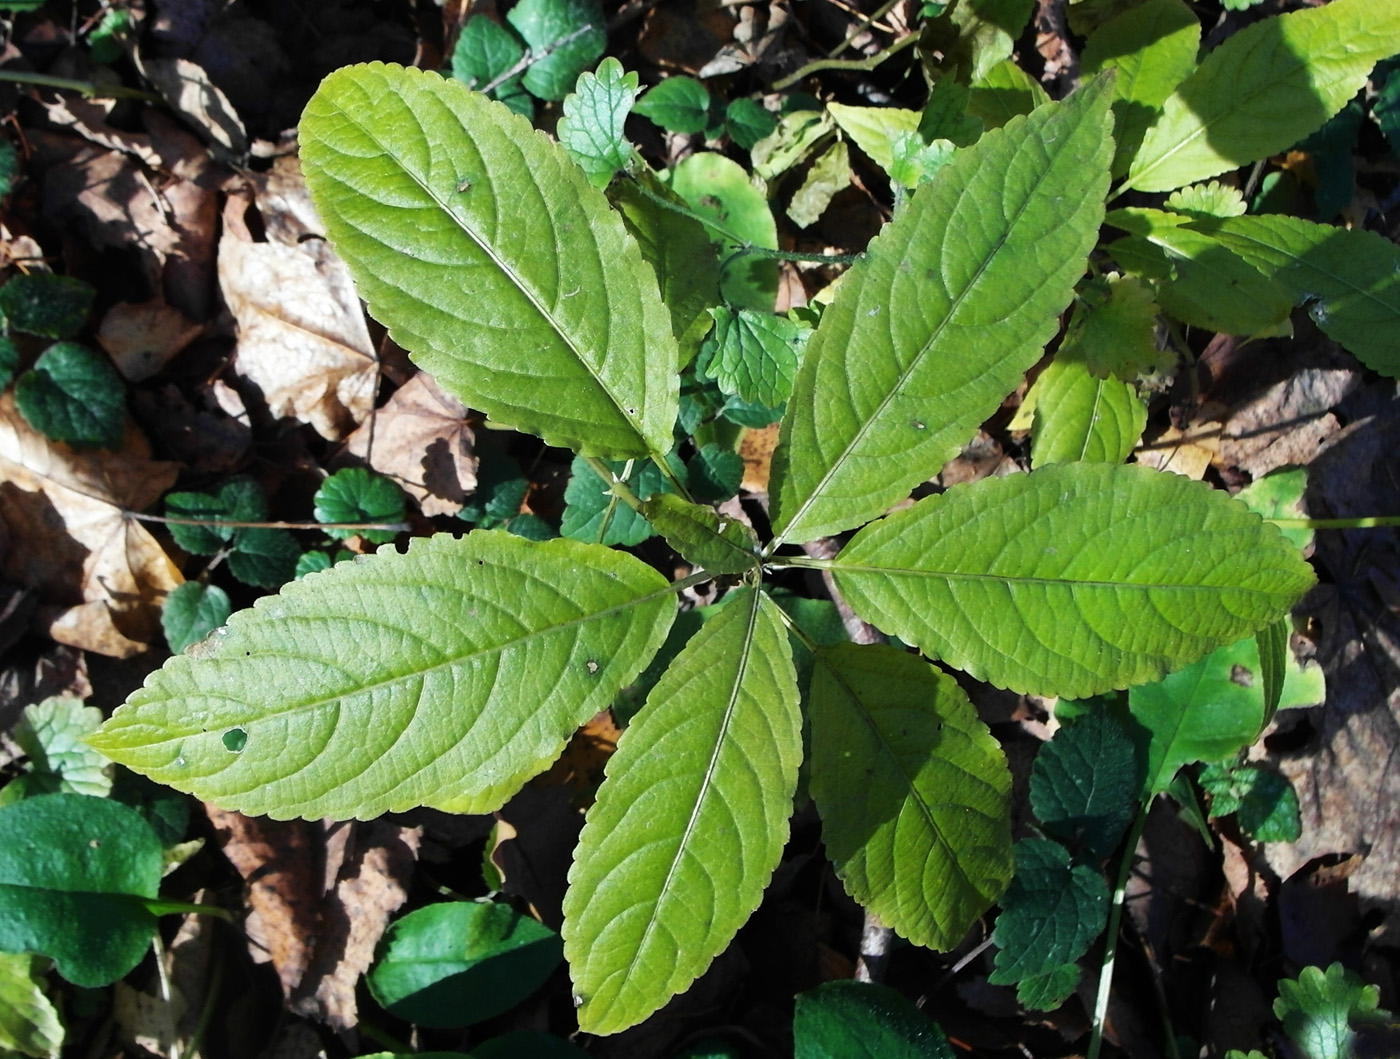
736	213
1047	991
166	810
945	115
458	963
591	126
40	303
523	1044
1051	914
593	514
238	500
862	1020
73	873
714	473
75	396
9	166
266	558
1386	108
679	103
531	527
486	50
9	360
191	612
1086	784
1263	800
748	122
566	37
746	414
358	495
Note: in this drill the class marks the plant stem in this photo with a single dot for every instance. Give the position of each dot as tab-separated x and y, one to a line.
1336	523
1115	920
868	63
88	89
866	21
616	486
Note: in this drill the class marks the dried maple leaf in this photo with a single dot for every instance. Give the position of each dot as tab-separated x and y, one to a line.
100	575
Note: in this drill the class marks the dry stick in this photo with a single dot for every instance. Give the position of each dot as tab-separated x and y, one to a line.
870	63
875	938
860	27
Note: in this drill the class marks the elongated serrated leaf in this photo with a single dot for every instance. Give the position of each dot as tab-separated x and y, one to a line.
455	219
1086	783
1348	278
863	1020
74	871
591	126
1051	914
874	129
720	544
953	302
1214	707
1079	417
689	823
1263	90
1073	579
913	791
29	1022
1153	47
399	680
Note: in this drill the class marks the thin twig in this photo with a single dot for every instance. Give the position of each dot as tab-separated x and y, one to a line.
817	65
88	89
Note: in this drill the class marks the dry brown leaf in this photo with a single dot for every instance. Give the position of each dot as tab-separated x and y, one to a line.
302	337
757	448
421	440
1189	453
1287	424
141	338
101	576
188	90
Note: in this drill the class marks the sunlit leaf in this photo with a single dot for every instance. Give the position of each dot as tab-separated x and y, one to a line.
719	543
29	1022
679	103
591	126
192	612
359	495
1080	417
51	734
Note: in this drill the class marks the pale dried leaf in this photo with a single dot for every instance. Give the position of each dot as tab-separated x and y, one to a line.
1287	424
757	446
302	337
1189	453
421	440
101	576
141	338
146	1021
188	90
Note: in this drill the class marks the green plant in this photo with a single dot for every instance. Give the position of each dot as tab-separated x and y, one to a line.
450	674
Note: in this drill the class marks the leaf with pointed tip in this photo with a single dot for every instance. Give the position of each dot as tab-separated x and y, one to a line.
720	544
591	126
953	302
1079	417
679	104
913	791
1263	90
456	218
1003	92
874	129
1348	278
689	823
399	680
1073	579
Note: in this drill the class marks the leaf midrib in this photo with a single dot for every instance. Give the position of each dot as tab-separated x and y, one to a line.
838	567
516	279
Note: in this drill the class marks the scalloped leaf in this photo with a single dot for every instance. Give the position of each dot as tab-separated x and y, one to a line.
447	675
1073	579
51	734
356	494
74	395
1086	782
953	302
591	126
192	611
456	217
689	823
1263	90
1051	914
913	791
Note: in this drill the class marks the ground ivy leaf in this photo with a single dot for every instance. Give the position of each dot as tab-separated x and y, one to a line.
398	680
238	500
1317	1009
1073	579
591	126
268	557
1263	800
1263	90
72	870
714	473
1051	914
1153	46
355	494
474	244
457	963
485	50
1213	199
913	791
679	104
718	543
9	360
9	167
1080	417
953	302
1348	278
1050	989
565	37
748	122
193	611
40	303
75	396
1087	782
863	1020
51	734
1113	330
753	355
689	823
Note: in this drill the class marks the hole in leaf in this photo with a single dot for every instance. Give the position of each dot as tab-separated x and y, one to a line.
235	739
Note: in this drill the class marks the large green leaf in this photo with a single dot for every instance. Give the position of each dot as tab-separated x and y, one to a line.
1348	278
1263	90
1073	579
491	259
953	302
445	676
863	1020
1080	417
689	823
1153	47
914	793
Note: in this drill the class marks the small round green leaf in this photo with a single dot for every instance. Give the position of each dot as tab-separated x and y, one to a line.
73	873
719	190
9	360
459	963
266	557
75	396
191	612
357	495
748	122
862	1020
40	303
680	104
